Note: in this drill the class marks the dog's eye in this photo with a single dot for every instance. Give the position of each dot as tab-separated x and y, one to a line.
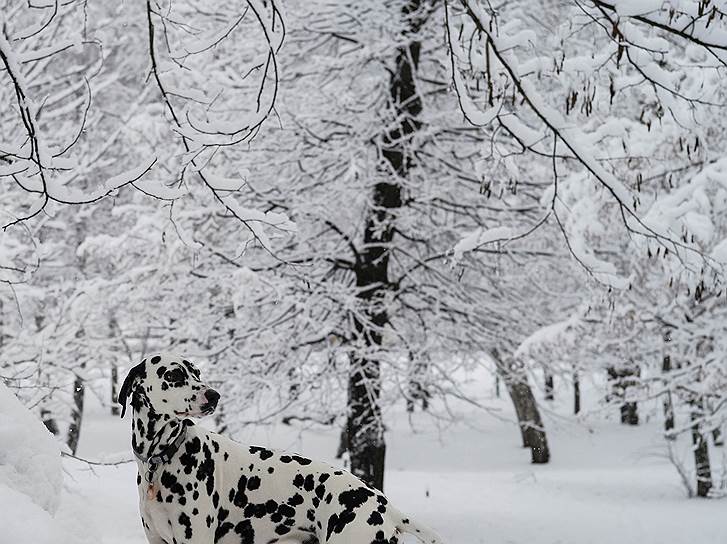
175	375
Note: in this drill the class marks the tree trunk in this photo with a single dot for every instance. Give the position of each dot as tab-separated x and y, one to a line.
576	393
74	429
526	408
365	430
114	390
621	379
416	390
668	403
49	421
549	387
701	456
366	445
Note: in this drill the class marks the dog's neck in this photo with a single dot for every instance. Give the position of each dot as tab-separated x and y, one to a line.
152	433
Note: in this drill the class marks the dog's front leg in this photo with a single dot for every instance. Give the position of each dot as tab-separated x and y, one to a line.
151	535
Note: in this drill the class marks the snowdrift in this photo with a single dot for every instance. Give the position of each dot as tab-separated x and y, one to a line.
31	477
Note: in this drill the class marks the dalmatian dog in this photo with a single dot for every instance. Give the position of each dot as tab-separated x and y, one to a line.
198	487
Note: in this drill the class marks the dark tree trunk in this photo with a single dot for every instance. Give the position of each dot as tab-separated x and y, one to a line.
549	387
531	424
114	390
701	456
621	380
416	390
74	429
49	421
113	329
497	385
717	436
365	432
576	393
668	403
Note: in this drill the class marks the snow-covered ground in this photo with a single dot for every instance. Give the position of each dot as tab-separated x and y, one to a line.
607	484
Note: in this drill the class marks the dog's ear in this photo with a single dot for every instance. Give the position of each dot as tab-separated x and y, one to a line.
125	391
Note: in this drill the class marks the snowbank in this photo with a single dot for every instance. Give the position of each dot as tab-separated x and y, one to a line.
30	461
31	477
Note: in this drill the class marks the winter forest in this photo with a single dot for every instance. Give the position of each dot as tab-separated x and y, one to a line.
473	251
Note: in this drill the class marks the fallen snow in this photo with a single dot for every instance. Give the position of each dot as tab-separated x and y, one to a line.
469	480
31	478
30	460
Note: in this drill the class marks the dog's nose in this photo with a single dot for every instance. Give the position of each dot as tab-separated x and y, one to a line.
212	396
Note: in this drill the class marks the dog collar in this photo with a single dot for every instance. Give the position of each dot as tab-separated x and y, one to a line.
153	461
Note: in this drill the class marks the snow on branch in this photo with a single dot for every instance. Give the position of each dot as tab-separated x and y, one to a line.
519	96
203	134
35	161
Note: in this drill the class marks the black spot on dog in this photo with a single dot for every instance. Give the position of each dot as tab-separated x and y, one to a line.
309	483
255	510
298	481
375	518
285	458
320	491
155	360
295	500
271	470
301	460
240	498
323	477
263	452
206	470
282	529
187	524
246	532
188	459
253	483
354	498
169	481
222	530
286	510
337	522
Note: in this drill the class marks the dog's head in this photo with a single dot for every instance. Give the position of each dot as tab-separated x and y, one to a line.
168	385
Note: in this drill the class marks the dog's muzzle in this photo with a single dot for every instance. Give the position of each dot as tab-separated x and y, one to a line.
212	397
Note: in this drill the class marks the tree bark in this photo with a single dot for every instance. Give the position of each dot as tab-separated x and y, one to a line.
668	403
576	393
74	429
621	379
365	432
701	456
526	408
49	421
114	390
549	387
